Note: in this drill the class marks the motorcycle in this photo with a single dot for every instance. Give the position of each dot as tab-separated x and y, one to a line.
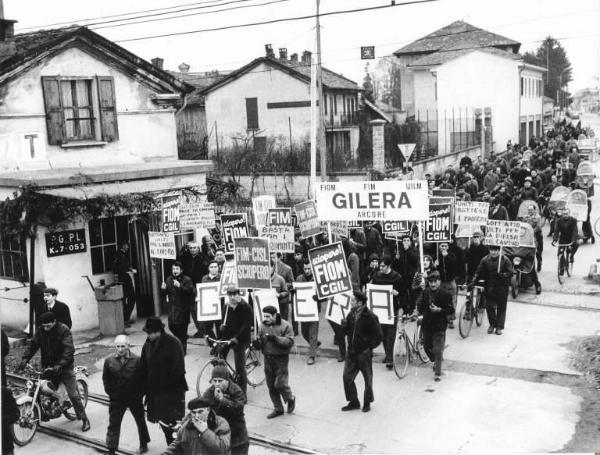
39	402
523	260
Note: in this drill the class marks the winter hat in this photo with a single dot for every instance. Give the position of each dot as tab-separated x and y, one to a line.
220	371
270	309
198	403
153	325
47	317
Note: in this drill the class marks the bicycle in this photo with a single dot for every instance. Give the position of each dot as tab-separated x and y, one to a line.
254	366
404	348
473	309
564	265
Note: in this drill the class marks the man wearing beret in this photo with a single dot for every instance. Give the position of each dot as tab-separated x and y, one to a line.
202	432
227	400
276	338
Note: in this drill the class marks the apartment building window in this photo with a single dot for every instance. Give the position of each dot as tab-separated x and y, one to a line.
522	86
80	109
325	103
335	103
13	263
252	113
106	235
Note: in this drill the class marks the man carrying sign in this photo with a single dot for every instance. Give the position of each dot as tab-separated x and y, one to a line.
310	330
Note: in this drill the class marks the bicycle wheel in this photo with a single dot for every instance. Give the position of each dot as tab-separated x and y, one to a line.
465	319
23	430
401	355
514	286
479	310
255	370
204	377
82	388
420	346
561	268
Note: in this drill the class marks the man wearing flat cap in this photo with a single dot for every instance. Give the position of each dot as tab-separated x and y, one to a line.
202	432
228	401
162	368
236	329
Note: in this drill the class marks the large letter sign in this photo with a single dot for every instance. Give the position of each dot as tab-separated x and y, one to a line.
381	302
330	270
384	200
305	307
263	298
209	302
338	307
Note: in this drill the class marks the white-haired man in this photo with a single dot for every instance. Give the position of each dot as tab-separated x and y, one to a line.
123	384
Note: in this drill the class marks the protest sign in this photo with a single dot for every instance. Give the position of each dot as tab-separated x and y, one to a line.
208	302
196	215
280	217
443	192
233	225
464	231
281	238
306	212
263	298
471	212
260	208
338	307
502	233
390	226
577	205
330	270
381	302
439	225
170	213
377	200
162	245
228	278
252	263
305	307
338	228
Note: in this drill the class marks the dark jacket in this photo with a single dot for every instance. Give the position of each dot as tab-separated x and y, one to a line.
448	267
231	408
565	230
5	349
474	255
61	312
180	299
407	264
189	441
283	341
435	321
496	284
374	242
121	265
56	346
163	369
363	331
123	379
194	266
238	323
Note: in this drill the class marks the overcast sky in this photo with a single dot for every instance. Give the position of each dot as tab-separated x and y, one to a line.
575	23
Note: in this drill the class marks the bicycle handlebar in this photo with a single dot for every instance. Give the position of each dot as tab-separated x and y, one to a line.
214	341
410	318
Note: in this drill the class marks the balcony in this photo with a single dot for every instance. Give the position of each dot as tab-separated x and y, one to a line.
341	120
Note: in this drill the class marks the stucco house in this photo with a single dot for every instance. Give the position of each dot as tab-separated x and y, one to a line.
464	67
81	116
270	98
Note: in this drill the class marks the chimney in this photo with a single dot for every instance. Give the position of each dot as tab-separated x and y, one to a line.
8	48
158	62
269	51
184	68
294	58
306	57
283	53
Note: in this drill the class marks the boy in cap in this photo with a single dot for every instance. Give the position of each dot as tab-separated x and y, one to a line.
227	400
202	431
276	338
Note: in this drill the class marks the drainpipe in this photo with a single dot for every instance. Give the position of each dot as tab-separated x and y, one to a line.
183	106
521	67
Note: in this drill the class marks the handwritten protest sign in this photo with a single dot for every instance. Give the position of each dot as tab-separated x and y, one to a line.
338	307
252	263
162	245
330	270
439	225
208	302
338	228
381	302
260	208
305	307
306	212
471	212
502	233
233	225
196	215
281	238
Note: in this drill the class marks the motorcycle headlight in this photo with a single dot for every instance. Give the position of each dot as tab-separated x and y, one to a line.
516	261
29	384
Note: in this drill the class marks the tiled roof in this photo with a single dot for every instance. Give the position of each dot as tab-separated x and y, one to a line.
456	33
443	56
29	43
199	81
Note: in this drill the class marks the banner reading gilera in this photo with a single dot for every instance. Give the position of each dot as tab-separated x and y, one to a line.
330	270
252	263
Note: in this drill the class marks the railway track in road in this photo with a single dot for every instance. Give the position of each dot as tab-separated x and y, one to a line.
101	447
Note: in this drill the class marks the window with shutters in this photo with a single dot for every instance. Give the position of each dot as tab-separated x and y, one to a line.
106	235
13	263
252	113
80	110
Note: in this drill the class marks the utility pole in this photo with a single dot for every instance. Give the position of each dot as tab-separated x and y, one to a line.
321	119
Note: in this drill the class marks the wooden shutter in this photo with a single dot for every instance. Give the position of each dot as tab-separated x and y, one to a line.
55	121
252	113
107	108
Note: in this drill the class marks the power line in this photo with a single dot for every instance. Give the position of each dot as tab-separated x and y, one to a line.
273	21
190	14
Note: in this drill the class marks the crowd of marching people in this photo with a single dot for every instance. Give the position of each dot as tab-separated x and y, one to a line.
215	421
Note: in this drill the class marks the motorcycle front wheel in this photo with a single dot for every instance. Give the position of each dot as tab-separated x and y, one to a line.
23	430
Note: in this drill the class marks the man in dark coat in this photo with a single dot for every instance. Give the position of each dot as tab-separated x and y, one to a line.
180	297
122	269
163	373
60	309
475	253
435	305
448	268
228	401
496	282
195	265
362	328
123	383
55	341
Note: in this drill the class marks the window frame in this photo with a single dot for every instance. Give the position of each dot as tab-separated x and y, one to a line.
94	108
107	268
14	257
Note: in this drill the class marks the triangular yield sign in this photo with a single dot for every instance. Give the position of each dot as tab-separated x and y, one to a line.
406	150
